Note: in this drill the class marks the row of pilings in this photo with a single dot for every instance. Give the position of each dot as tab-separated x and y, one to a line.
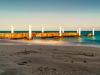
30	34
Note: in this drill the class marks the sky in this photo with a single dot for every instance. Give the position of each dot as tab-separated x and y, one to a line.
49	13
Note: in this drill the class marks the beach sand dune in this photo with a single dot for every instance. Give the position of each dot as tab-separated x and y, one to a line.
49	60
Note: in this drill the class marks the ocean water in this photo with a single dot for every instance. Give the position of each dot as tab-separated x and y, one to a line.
83	40
95	40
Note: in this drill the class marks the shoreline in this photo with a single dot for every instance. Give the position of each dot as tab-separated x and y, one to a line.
43	42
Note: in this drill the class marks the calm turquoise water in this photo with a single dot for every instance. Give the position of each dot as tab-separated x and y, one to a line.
83	40
91	40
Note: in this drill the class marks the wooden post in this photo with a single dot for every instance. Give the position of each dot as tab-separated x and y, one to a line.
12	29
63	30
79	31
30	32
42	29
93	32
60	31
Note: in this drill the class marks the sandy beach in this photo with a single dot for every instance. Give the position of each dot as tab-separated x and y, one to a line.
49	60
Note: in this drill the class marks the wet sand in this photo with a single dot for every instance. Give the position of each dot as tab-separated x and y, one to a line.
49	60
